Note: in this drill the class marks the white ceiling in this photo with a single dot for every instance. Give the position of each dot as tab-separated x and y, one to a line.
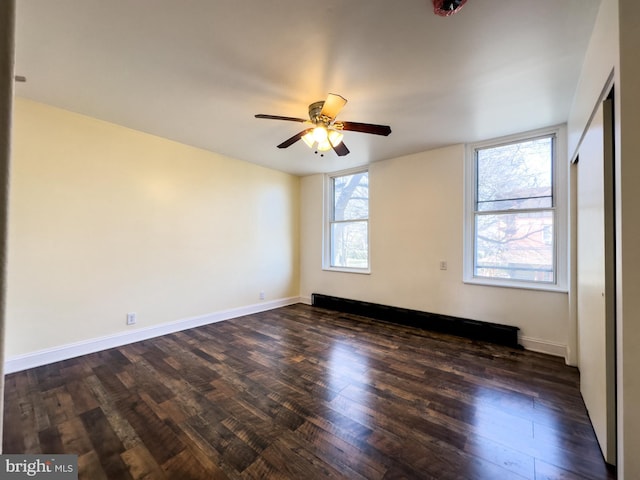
196	71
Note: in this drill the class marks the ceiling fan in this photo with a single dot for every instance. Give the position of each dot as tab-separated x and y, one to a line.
325	132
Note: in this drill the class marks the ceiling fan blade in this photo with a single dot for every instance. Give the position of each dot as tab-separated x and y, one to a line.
341	149
290	141
367	128
278	117
332	105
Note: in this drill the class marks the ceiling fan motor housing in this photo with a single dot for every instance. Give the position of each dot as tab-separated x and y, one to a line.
314	111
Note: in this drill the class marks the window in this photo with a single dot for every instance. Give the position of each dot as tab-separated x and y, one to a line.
347	222
515	215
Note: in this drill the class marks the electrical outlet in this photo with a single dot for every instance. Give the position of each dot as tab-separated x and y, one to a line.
261	295
131	318
443	264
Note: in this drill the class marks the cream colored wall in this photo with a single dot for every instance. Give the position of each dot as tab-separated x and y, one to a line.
105	220
416	220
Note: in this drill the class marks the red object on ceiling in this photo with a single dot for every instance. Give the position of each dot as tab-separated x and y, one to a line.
446	8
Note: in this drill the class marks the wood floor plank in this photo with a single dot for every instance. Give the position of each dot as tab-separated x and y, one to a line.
547	471
74	436
89	467
509	459
142	465
115	418
186	466
306	393
49	440
290	460
16	416
83	399
341	454
105	442
156	435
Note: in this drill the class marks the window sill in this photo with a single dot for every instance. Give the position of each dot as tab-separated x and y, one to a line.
361	271
542	287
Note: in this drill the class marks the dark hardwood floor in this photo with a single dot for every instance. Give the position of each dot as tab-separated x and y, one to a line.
306	393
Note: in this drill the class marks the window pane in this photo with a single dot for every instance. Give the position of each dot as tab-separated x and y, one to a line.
515	246
515	176
349	245
351	197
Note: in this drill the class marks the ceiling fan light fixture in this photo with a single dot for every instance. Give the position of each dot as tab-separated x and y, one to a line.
308	139
320	134
324	145
335	137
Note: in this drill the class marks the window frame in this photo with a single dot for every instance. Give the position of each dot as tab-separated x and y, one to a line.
328	216
559	209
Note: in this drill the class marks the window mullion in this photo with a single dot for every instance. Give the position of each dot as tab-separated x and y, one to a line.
349	221
514	210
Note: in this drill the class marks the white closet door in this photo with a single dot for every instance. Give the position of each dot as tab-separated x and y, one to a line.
595	328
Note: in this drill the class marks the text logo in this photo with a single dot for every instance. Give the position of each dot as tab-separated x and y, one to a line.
49	467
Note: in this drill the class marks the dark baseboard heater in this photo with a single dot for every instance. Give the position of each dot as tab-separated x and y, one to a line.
462	327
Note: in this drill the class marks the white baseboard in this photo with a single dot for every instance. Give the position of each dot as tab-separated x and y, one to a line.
544	346
305	300
71	350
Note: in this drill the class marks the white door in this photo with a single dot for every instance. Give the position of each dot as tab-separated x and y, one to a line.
595	278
